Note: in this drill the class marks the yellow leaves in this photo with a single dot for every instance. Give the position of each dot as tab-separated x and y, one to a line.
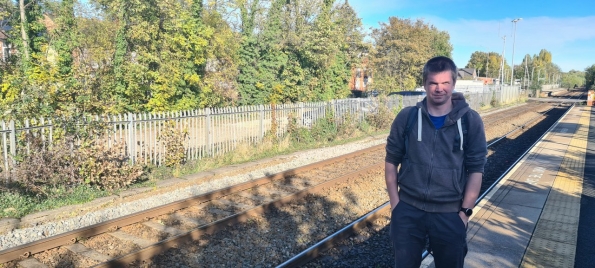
174	138
10	92
277	93
192	79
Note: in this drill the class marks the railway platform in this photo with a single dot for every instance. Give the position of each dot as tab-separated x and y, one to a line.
541	213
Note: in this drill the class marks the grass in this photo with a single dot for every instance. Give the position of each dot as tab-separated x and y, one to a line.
16	205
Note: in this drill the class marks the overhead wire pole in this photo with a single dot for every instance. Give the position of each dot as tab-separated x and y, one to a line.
487	64
512	61
502	62
526	76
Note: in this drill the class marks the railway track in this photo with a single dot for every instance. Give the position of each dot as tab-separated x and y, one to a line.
134	239
208	212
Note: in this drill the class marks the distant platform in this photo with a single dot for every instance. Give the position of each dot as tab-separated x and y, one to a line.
554	99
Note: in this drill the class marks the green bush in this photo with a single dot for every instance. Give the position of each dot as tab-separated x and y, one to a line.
75	158
382	119
298	133
106	168
173	139
51	166
325	128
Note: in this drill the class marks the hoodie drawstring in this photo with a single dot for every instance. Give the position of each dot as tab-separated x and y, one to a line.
460	131
459	125
418	124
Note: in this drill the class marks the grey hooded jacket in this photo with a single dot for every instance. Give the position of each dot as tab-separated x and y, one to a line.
434	171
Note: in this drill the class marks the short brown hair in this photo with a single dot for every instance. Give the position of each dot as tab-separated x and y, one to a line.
440	64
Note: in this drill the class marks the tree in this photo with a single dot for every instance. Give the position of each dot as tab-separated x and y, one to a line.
441	44
572	78
219	84
401	49
300	50
590	77
322	53
543	67
485	62
248	54
159	54
26	84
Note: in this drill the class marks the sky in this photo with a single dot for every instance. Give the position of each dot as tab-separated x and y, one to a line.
565	28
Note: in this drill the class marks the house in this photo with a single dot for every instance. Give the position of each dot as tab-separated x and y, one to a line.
487	80
467	74
361	78
6	47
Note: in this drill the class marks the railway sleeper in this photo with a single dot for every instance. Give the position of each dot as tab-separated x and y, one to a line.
258	198
141	242
188	220
84	251
162	228
32	263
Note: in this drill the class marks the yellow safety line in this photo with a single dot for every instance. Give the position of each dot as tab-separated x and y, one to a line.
553	243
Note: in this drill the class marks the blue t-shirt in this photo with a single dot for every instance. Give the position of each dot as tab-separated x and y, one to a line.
438	120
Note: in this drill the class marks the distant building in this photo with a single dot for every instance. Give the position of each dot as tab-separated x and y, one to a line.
361	77
7	48
467	74
472	86
487	80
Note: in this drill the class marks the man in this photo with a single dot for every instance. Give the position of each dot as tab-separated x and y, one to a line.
440	174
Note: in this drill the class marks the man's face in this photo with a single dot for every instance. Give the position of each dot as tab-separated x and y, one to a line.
439	88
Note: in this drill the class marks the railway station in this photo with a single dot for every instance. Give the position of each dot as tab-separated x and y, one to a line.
538	213
277	133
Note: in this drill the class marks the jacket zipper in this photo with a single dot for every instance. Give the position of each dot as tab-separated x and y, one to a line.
427	194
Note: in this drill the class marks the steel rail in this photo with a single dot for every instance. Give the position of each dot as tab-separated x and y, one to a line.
533	119
194	235
328	242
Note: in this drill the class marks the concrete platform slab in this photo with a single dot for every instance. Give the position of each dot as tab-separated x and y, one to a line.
526	198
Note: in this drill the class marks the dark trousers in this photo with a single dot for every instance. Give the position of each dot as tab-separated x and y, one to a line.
446	231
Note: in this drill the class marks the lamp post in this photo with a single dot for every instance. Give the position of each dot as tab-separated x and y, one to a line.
501	73
512	61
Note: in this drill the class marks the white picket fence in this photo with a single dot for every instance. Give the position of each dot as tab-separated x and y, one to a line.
212	131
